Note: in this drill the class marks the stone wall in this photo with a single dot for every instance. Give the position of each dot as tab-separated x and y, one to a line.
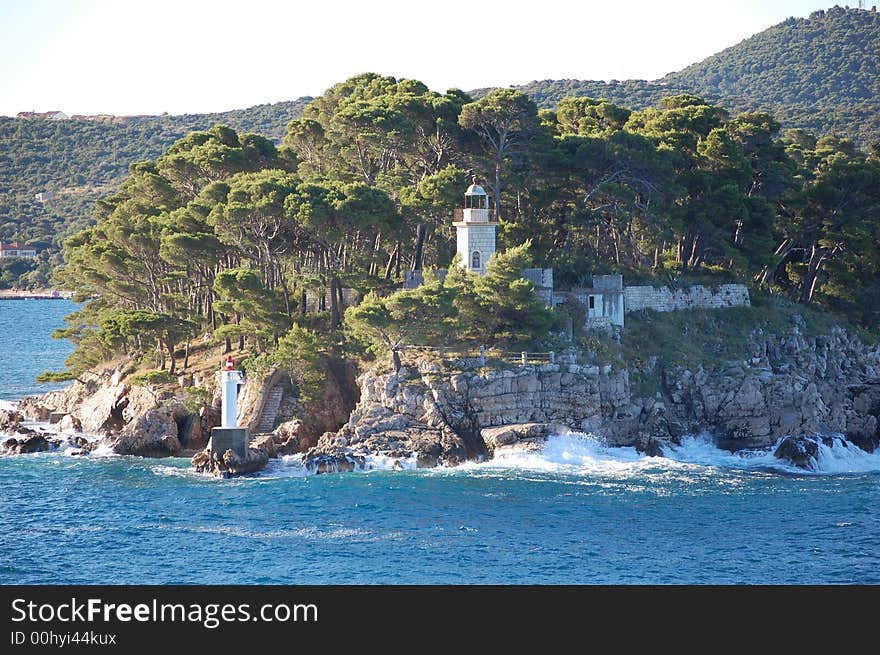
666	299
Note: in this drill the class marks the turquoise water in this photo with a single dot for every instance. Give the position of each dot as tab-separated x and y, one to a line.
26	349
576	512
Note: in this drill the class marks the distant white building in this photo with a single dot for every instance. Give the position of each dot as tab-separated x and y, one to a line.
51	115
15	249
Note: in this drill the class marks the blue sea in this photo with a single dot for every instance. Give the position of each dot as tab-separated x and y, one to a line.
574	512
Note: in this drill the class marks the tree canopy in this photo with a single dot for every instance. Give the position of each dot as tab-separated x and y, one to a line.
229	235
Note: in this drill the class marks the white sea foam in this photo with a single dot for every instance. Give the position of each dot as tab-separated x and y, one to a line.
292	466
845	457
567	453
103	450
286	466
585	454
386	463
841	456
700	449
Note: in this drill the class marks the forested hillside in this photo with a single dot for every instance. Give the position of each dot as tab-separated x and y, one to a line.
637	94
820	73
229	234
80	161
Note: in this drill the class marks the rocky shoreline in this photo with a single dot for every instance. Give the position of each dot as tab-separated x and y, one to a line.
789	392
101	411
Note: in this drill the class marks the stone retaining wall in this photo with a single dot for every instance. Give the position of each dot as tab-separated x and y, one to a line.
666	299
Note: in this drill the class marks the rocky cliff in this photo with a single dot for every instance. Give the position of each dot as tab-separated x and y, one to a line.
432	413
129	419
786	385
102	409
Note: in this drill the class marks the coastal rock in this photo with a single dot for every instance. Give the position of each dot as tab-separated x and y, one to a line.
290	437
649	446
101	413
528	435
154	434
34	408
34	443
97	399
801	451
337	462
10	421
266	444
228	464
788	385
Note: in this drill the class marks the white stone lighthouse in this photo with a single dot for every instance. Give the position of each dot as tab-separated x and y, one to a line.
475	229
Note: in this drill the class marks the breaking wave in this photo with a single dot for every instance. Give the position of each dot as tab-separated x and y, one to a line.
585	454
569	454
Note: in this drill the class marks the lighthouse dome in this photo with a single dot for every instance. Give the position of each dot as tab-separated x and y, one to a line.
475	190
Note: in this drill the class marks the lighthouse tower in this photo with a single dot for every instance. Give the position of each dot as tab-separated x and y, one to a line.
229	436
475	229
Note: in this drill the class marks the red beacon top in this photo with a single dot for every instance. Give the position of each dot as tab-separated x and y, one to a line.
230	363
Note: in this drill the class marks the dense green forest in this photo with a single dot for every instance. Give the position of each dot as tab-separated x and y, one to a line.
229	235
821	73
82	161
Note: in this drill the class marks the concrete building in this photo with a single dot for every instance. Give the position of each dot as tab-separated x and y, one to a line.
604	301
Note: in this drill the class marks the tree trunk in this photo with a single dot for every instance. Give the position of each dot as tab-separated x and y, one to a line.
341	298
335	320
818	257
285	291
421	232
170	348
389	269
496	190
768	274
374	265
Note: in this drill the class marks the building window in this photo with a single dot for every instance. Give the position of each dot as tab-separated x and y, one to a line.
475	259
592	302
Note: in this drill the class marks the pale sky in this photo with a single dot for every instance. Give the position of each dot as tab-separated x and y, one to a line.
193	56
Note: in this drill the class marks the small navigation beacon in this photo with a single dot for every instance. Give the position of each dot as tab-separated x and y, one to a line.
229	436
